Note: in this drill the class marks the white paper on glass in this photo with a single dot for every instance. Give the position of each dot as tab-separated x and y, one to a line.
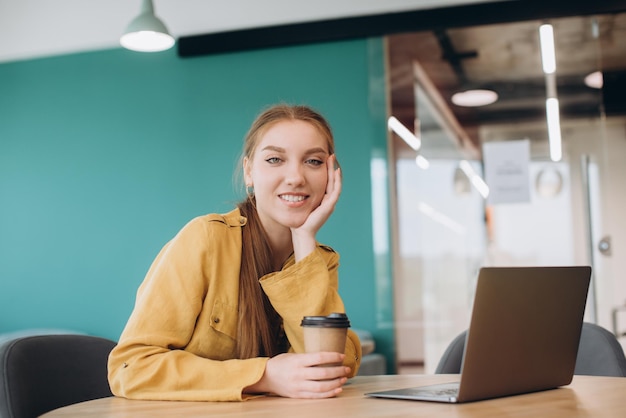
506	171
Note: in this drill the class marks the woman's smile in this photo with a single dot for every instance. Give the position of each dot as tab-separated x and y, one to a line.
293	198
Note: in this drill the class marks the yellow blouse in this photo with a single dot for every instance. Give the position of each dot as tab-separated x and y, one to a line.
179	341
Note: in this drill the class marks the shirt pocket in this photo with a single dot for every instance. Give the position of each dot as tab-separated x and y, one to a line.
224	319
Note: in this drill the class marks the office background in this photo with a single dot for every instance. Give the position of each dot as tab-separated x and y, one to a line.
105	155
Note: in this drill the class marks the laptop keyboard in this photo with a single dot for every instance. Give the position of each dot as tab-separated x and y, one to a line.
444	390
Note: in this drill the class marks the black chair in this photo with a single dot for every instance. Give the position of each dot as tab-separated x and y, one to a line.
599	354
44	372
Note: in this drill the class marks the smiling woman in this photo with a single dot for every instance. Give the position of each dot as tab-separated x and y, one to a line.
236	286
290	177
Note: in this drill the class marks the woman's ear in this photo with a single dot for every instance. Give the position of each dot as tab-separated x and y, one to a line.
247	175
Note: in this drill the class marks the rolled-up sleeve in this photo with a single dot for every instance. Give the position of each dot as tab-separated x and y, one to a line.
309	287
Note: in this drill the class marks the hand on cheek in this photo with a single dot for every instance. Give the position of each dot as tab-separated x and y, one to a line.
322	212
303	237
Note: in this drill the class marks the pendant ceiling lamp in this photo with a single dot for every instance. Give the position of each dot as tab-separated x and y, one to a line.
146	33
474	97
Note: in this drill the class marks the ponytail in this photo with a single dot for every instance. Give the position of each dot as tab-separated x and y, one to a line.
259	331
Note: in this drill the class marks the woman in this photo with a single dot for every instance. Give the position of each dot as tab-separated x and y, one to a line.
217	317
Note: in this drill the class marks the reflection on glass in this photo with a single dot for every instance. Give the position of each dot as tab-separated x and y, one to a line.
445	229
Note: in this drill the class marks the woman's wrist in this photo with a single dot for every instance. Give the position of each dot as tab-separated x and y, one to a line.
303	245
261	385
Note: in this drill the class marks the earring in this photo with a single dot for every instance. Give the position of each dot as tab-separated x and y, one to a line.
250	191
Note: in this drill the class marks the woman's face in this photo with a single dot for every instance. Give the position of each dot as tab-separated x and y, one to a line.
288	172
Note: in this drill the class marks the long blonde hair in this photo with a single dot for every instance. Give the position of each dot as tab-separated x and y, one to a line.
259	331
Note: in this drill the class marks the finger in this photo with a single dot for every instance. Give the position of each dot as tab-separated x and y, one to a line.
332	195
322	357
330	165
327	373
320	395
323	390
337	182
321	386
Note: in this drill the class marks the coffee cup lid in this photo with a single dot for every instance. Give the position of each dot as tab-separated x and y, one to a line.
334	320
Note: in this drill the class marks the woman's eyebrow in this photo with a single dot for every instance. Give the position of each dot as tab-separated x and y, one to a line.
273	148
316	151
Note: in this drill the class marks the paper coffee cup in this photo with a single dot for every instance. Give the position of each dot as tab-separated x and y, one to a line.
325	333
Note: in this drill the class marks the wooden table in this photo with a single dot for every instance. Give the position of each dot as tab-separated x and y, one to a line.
587	396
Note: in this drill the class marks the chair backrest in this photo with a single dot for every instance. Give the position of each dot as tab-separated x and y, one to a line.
44	372
451	360
599	354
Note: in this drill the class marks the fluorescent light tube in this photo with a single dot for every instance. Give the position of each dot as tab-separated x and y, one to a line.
478	183
422	162
554	128
548	58
408	136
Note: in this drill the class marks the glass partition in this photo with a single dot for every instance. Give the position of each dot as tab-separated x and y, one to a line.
570	209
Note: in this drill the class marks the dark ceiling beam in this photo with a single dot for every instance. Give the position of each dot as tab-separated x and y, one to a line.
613	93
390	23
454	58
528	115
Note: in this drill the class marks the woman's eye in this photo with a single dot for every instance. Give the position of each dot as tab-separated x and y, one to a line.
315	162
273	160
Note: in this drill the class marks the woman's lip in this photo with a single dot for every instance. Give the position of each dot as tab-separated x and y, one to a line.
283	196
293	194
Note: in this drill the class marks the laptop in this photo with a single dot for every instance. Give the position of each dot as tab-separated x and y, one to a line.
523	335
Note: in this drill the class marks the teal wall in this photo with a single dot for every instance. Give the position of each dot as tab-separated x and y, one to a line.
105	155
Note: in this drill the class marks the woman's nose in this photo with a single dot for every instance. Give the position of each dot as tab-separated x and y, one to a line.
294	175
